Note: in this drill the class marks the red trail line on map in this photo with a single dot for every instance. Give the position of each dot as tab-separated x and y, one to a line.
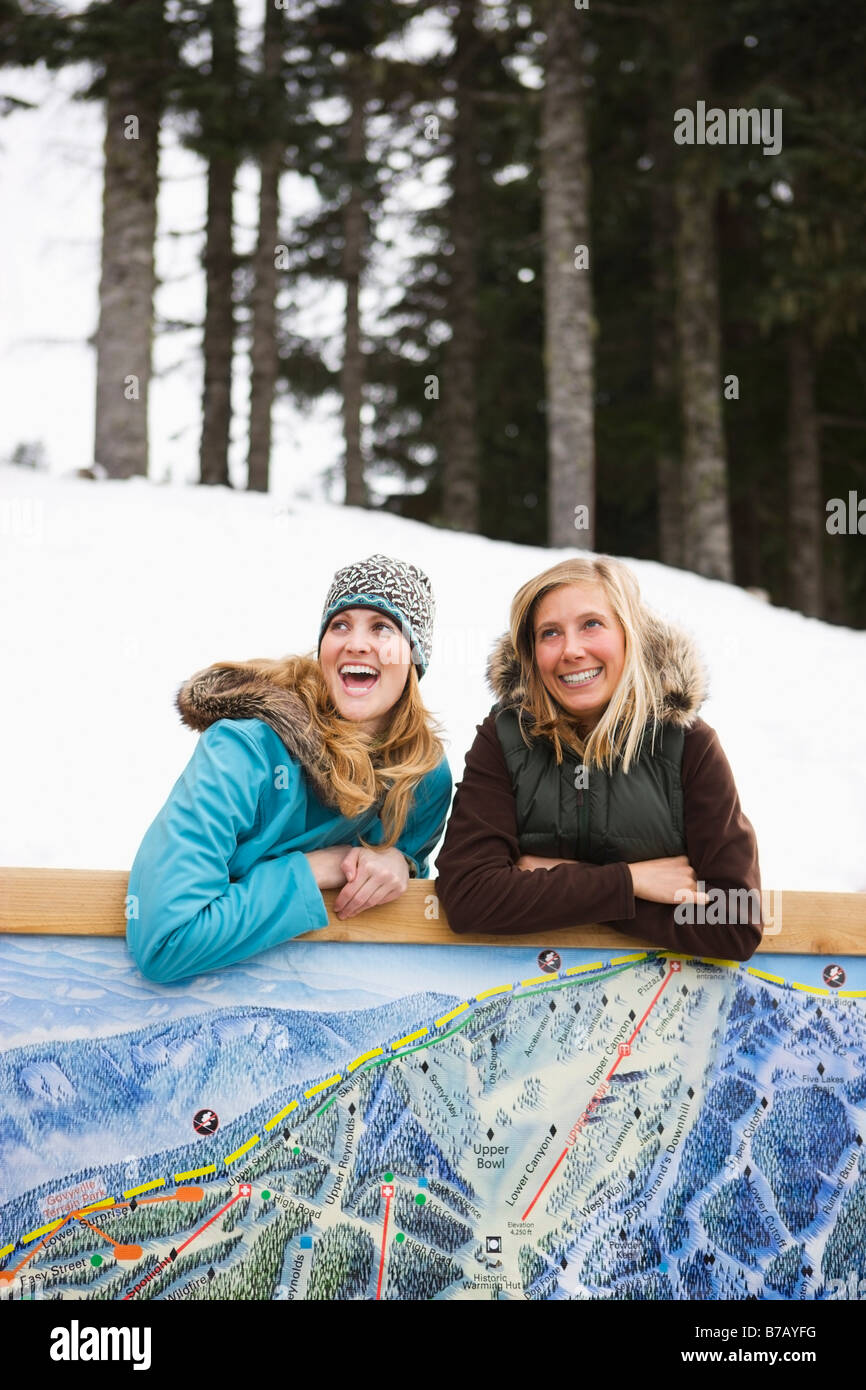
382	1256
190	1239
593	1102
6	1276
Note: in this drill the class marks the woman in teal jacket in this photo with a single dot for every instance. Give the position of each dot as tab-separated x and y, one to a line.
310	773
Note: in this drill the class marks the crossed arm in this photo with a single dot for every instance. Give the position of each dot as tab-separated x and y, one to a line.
487	885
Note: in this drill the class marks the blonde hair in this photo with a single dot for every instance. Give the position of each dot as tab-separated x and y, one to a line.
637	698
360	767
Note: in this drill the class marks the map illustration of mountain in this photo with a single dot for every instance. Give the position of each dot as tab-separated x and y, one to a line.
351	1122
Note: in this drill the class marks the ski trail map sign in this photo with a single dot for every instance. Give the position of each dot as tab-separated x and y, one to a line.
350	1122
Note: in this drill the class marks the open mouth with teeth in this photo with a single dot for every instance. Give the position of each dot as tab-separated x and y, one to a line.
358	679
577	679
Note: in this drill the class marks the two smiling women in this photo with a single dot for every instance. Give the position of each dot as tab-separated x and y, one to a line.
591	793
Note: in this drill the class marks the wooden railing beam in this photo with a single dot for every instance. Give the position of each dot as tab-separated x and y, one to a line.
92	902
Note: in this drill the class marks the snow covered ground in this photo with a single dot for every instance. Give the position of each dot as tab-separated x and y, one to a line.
115	592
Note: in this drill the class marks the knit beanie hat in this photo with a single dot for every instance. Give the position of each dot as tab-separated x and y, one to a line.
400	590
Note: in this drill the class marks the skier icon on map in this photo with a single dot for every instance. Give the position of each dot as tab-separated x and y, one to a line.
833	975
549	961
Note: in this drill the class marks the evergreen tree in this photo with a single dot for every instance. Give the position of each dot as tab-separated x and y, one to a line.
135	41
664	349
707	533
217	106
131	50
812	296
567	284
431	325
461	482
263	295
337	60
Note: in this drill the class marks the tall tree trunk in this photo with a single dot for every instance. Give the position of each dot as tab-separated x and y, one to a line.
263	348
664	346
806	515
567	286
748	521
124	335
707	531
354	239
219	325
461	484
835	599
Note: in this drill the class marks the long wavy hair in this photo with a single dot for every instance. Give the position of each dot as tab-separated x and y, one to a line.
636	701
362	768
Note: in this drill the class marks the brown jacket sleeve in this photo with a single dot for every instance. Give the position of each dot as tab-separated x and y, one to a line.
722	850
483	890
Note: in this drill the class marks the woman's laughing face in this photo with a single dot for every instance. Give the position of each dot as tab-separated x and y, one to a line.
365	660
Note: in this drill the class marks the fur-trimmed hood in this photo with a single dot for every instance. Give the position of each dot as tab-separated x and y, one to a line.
259	689
673	658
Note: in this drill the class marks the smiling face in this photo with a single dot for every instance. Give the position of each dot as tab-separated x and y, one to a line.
579	649
365	660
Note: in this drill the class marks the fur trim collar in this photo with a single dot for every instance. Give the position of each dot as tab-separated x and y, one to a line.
680	675
257	690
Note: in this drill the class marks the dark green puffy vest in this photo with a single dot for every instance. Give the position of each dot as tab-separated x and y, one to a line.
615	817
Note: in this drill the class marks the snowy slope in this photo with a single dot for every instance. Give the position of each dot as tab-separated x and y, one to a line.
115	592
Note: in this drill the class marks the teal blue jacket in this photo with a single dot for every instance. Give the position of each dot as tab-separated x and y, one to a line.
222	872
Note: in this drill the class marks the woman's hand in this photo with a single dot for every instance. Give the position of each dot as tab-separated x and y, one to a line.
326	865
372	877
658	880
666	881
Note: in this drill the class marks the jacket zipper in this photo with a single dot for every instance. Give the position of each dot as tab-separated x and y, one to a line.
581	825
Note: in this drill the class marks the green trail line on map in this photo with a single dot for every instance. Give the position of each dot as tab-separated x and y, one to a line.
431	1042
517	991
608	1211
6	1276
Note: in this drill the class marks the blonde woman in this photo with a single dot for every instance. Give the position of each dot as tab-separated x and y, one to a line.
593	791
310	773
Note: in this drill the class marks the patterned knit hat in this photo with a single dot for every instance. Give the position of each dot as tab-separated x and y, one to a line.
390	586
